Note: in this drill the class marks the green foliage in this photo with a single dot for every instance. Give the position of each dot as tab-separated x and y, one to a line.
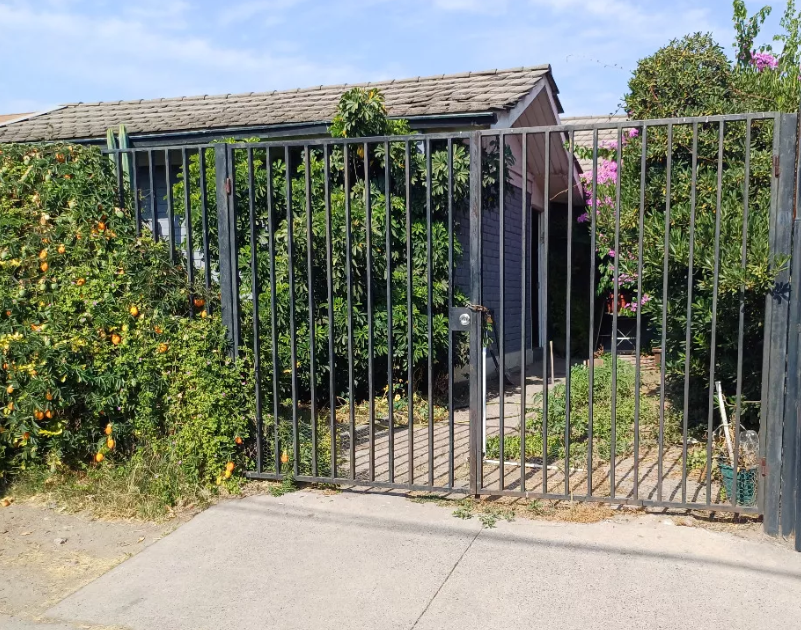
601	418
692	77
99	356
344	213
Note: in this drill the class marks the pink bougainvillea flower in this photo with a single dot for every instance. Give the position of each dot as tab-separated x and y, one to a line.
763	61
633	133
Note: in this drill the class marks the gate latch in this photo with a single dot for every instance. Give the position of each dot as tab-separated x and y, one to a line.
460	319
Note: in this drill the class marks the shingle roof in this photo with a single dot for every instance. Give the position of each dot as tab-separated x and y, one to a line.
441	95
583	137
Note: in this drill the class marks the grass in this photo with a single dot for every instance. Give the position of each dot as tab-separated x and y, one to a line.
400	410
148	487
601	419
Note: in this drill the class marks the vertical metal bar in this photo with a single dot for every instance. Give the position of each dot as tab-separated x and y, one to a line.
765	424
638	342
525	262
451	417
501	312
226	243
593	264
170	209
689	330
796	332
409	311
349	279
330	282
568	292
135	193
292	327
741	324
271	217
368	209
310	279
190	263
665	268
546	206
430	317
118	157
254	283
154	222
713	337
390	327
201	160
476	454
234	252
615	297
791	405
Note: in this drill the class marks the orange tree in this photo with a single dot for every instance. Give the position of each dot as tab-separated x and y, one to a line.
99	355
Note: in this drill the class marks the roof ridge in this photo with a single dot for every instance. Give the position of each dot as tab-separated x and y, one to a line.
311	88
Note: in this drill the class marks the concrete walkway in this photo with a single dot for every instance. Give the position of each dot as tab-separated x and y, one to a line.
379	561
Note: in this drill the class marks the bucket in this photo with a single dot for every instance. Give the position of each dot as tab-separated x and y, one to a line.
746	483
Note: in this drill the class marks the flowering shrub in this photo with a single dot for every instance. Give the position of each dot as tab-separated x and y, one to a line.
99	355
686	78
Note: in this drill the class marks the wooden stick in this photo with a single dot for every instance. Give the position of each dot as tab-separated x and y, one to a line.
725	424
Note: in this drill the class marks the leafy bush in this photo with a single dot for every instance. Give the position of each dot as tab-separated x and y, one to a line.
601	418
693	77
99	356
360	113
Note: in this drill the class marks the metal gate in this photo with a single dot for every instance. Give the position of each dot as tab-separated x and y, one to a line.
440	312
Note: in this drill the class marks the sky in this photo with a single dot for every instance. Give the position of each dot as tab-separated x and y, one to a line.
61	51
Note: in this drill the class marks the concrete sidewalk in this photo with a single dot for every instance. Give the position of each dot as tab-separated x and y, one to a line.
375	561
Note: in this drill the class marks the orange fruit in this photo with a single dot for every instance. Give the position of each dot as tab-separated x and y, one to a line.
108	429
110	443
78	236
284	457
203	314
227	474
61	249
60	158
163	348
11	406
49	414
5	502
43	254
199	302
26	436
229	466
99	457
38	414
134	311
44	266
238	440
10	389
101	226
49	396
116	339
80	282
157	329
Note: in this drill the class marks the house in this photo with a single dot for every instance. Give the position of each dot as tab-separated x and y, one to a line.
494	99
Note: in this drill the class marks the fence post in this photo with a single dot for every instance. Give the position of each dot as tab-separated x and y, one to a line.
226	229
477	319
790	497
776	323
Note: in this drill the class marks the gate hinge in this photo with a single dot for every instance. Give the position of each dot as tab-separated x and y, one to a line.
776	169
228	186
763	467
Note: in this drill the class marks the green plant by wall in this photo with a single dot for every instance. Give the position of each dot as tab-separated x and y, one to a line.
360	113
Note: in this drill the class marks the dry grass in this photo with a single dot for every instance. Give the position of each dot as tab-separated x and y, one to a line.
145	488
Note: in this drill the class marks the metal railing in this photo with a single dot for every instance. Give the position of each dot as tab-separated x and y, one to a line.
370	312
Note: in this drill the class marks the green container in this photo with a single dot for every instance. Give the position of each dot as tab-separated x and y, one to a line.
746	483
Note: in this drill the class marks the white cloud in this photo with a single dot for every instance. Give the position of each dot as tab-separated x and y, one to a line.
133	57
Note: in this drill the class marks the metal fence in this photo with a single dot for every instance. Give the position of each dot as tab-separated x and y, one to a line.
337	266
